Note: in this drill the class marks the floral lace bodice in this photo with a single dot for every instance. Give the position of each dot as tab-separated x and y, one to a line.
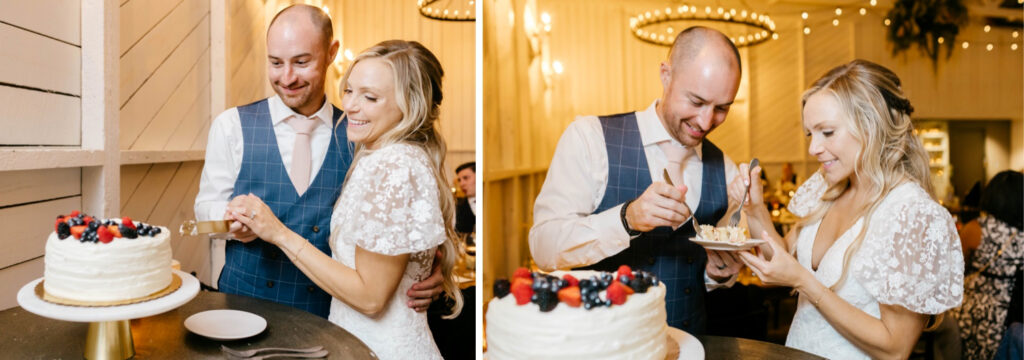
910	256
390	206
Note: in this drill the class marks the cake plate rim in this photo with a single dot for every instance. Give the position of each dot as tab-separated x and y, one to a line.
686	342
28	300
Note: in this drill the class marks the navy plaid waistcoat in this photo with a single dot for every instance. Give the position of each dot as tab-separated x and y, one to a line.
670	255
259	269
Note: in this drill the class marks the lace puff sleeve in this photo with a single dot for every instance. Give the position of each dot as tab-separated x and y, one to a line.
397	211
911	254
808	196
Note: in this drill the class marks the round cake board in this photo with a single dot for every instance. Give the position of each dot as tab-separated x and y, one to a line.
29	300
687	346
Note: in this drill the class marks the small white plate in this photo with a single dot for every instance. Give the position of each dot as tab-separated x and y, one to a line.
226	324
689	347
724	246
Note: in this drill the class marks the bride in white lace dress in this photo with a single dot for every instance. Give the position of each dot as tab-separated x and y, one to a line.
394	210
874	253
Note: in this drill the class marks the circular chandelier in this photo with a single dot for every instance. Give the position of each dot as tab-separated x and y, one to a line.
743	28
463	9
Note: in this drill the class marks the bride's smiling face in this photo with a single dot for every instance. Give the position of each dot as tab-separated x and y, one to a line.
830	139
369	101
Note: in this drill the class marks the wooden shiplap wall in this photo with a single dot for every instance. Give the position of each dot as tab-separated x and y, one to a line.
40	105
165	108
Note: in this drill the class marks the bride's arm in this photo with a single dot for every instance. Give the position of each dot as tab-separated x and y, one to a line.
891	337
366	289
885	338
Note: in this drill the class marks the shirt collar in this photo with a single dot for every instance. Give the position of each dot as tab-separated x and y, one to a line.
652	131
279	111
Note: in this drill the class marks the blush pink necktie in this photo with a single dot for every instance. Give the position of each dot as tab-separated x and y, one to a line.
675	156
301	153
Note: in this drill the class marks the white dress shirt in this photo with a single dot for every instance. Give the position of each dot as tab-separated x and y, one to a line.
224	150
566	232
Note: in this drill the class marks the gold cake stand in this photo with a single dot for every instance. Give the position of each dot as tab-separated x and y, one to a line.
109	336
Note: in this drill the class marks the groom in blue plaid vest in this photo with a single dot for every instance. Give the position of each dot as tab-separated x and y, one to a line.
606	201
292	151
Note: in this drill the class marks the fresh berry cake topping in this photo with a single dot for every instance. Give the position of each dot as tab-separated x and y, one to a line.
547	291
85	228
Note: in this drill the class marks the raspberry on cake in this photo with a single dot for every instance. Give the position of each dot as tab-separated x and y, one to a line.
93	260
622	316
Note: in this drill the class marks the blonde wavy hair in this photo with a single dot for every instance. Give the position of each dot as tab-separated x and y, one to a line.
878	117
417	74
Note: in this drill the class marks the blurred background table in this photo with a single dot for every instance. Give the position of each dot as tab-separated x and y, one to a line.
24	335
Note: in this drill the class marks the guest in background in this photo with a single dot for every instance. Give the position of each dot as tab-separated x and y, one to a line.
465	208
992	290
873	254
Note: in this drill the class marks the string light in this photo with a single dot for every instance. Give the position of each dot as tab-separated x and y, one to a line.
1015	34
988	28
757	28
803	15
807	30
965	45
887	22
941	40
835	22
446	14
863	11
989	47
874	2
839	11
1013	47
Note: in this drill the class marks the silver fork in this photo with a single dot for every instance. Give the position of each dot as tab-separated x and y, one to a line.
253	352
313	355
735	219
693	218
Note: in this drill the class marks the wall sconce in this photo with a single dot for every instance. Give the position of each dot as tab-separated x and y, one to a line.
538	32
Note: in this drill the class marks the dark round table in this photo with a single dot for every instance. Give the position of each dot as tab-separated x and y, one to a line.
725	348
24	335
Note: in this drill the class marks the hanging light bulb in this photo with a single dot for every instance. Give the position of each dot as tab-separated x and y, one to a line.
775	36
863	11
874	2
988	28
887	22
965	45
803	15
807	30
941	40
835	22
839	11
1013	47
989	47
1015	34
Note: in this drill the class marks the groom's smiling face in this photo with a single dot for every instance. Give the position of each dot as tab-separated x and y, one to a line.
297	60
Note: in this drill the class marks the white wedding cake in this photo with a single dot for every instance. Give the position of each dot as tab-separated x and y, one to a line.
600	325
94	260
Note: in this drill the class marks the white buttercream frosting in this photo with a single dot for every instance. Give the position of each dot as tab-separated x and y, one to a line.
636	329
119	270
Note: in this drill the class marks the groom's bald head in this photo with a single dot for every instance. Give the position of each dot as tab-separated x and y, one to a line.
302	14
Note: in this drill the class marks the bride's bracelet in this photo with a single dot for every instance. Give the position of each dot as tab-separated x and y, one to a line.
299	251
818	300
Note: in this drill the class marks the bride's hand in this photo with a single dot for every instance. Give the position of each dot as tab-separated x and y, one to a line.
774	265
252	212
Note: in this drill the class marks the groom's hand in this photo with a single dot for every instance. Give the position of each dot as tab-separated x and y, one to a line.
421	294
722	265
660	205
